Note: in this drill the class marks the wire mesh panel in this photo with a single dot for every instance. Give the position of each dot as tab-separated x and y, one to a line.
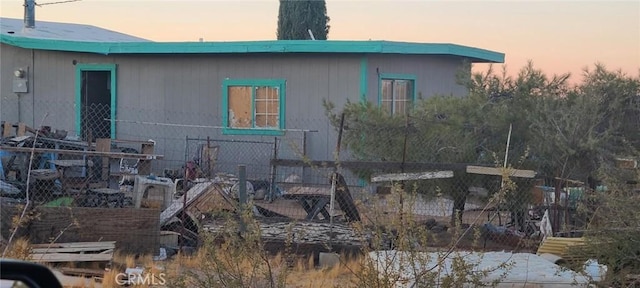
224	155
93	121
410	182
401	173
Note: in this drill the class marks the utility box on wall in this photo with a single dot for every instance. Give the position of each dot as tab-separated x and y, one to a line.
20	86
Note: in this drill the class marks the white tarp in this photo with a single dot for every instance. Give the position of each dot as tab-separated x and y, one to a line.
510	269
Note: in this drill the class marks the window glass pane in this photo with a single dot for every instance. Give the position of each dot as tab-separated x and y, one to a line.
387	106
387	92
267	107
267	121
403	95
400	90
400	107
239	106
396	95
409	95
387	96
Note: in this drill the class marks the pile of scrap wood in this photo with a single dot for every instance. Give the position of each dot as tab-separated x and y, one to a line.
317	233
567	249
21	129
73	252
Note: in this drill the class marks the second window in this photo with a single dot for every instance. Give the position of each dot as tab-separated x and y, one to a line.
397	94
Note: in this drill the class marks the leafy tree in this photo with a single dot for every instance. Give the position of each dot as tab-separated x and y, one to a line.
296	17
442	129
558	130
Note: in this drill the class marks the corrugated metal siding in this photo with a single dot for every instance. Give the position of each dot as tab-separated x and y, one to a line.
435	75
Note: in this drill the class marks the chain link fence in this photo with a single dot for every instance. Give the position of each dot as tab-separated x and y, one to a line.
183	175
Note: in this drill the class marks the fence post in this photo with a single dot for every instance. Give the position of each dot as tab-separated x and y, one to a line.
274	168
242	182
242	193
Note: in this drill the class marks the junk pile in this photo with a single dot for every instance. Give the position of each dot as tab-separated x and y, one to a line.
60	169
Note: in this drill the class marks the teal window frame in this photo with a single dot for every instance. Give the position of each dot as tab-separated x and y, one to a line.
111	68
254	83
394	76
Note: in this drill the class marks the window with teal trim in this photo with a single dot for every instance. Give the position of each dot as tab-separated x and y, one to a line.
253	106
396	97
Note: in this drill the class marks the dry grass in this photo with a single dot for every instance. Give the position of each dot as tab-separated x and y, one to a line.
305	275
301	273
123	261
19	249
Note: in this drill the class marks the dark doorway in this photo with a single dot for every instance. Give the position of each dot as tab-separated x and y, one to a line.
95	104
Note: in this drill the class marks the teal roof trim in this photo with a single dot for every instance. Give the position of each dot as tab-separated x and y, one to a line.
272	46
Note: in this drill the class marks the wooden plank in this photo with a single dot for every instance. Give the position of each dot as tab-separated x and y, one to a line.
499	171
72	163
307	190
104	145
66	250
7	130
130	141
212	202
82	152
411	176
144	167
70	257
22	129
71	249
97	244
84	272
240	113
178	204
379	165
31	130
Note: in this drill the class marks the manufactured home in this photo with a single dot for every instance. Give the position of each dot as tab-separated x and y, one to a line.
92	81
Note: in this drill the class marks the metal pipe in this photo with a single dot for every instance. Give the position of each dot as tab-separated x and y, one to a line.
304	153
242	194
29	13
272	185
19	107
334	180
242	184
195	126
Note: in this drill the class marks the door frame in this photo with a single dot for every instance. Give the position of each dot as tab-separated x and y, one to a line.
95	67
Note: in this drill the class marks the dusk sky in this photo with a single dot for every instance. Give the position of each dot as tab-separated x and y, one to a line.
558	36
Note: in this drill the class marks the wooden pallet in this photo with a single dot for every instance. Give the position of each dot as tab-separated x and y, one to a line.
73	252
562	247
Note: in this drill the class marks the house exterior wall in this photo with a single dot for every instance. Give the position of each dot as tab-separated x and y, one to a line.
11	105
186	89
434	75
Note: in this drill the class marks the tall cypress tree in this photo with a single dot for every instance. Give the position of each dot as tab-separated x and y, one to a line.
295	17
